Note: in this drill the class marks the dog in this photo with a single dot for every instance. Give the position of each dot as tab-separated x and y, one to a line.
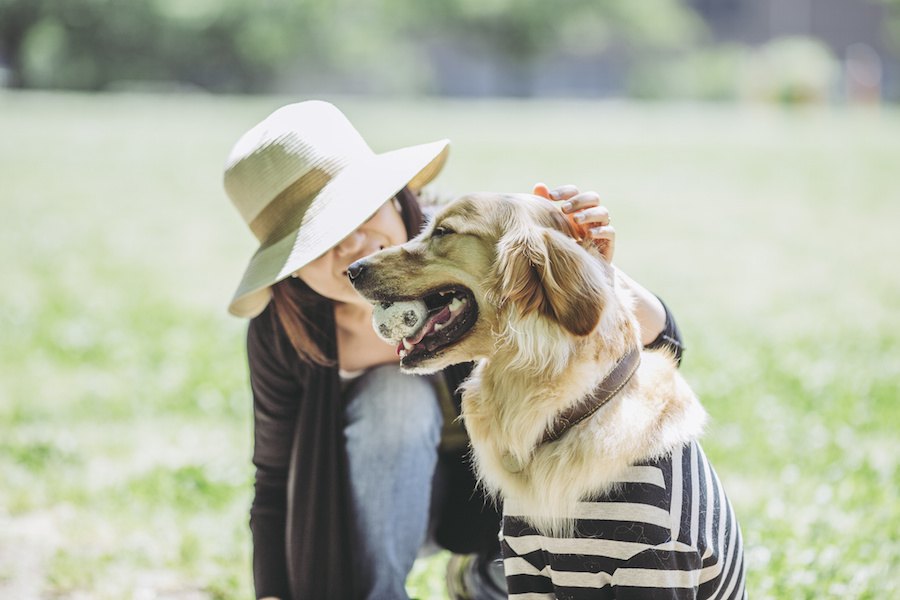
589	441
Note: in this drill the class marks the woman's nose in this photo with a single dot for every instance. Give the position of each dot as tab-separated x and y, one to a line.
351	244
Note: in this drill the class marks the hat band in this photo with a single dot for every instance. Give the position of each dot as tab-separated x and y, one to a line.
286	211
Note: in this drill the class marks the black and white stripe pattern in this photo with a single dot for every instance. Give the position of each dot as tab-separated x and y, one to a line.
666	531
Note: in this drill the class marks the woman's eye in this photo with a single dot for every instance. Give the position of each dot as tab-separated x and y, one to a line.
440	232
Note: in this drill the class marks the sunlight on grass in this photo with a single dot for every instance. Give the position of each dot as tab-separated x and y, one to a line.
125	429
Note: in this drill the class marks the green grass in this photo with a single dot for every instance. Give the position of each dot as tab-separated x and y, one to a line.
125	429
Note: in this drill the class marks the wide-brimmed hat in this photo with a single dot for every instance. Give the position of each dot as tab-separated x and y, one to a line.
304	179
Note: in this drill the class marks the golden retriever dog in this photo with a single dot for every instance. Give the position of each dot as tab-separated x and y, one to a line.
589	441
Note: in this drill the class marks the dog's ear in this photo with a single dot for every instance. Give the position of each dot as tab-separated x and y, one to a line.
574	283
518	281
546	271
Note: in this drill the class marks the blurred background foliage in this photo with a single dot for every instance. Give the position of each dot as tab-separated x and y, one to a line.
649	49
253	46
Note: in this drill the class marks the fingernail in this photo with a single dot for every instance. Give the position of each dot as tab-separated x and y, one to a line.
566	206
596	230
579	217
554	194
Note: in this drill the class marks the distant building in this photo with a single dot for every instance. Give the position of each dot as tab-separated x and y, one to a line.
854	30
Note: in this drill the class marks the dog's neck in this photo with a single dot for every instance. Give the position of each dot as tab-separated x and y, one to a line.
539	364
611	385
584	408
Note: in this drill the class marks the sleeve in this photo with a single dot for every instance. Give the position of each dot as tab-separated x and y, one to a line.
468	521
276	395
669	337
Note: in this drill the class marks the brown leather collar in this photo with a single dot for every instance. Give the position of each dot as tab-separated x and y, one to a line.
603	393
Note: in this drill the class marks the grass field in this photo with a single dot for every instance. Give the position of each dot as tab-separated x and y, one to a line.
125	428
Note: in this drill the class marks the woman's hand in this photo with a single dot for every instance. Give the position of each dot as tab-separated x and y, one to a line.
586	209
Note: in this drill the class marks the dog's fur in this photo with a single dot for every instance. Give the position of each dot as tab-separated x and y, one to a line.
552	323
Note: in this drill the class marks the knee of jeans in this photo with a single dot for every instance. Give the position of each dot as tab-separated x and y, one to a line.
391	410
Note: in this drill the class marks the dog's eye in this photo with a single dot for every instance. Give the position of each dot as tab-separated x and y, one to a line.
441	232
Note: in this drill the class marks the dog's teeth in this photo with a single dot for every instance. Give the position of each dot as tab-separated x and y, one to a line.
403	353
454	306
438	326
407	345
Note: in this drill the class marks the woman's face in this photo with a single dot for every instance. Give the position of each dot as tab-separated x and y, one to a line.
327	275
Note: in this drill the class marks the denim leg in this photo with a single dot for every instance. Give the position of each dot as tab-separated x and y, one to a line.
392	432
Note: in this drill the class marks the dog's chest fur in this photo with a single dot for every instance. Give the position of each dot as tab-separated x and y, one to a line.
506	415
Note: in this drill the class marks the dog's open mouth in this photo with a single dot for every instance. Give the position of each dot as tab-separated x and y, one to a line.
451	314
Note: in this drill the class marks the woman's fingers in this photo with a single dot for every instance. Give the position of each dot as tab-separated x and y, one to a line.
605	239
604	232
587	212
597	215
577	200
564	192
541	189
581	201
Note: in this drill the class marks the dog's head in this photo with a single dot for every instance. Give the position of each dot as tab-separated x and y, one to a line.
489	267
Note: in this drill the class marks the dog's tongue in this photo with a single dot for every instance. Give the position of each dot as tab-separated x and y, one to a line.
438	317
444	315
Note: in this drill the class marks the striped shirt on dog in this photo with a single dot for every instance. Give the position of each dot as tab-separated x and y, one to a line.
666	531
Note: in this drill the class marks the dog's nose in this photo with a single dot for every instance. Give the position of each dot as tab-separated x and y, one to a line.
355	270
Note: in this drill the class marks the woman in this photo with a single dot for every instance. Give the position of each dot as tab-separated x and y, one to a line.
357	464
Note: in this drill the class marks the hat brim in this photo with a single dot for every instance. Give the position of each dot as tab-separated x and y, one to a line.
348	201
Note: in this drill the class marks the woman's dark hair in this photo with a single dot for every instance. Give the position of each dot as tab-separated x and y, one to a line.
301	312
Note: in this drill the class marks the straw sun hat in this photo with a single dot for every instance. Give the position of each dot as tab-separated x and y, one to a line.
304	179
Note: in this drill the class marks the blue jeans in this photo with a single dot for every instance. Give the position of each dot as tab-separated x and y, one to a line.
393	428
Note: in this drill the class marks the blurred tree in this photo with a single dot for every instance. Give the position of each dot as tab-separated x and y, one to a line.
253	45
892	23
227	45
16	19
520	32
